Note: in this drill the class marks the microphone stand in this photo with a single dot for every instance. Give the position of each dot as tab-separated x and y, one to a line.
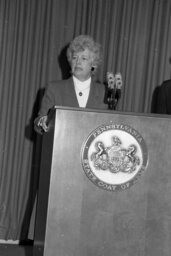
111	99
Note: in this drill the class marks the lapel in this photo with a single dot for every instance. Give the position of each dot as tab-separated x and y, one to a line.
92	95
71	97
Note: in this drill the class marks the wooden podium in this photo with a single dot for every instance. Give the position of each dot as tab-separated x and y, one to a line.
80	215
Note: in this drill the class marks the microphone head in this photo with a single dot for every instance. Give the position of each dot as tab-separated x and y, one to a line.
118	80
110	80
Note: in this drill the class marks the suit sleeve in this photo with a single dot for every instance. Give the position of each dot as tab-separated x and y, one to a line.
162	101
48	101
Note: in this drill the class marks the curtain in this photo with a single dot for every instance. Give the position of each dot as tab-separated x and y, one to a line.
34	34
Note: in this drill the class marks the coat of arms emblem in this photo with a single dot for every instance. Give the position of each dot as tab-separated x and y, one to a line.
114	156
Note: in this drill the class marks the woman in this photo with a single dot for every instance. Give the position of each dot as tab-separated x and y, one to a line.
84	56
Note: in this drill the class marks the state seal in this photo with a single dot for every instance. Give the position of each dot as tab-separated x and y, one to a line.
114	156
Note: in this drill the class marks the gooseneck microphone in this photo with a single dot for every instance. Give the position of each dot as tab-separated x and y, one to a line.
114	83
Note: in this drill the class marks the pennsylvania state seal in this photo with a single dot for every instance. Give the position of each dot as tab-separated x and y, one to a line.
114	156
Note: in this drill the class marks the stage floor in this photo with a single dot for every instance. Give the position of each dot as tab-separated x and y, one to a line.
16	250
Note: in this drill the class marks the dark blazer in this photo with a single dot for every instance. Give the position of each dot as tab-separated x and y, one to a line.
62	93
163	105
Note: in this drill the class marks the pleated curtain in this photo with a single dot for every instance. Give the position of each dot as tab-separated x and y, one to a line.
136	40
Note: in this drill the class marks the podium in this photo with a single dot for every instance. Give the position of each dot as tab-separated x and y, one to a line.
105	185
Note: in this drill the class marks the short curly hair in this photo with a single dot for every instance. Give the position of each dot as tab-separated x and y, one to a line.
82	42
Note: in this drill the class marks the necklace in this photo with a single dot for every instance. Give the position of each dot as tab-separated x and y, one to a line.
80	92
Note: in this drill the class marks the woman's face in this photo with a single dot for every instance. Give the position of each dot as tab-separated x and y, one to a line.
81	64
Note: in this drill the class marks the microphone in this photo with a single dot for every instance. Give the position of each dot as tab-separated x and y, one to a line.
110	80
114	83
118	80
